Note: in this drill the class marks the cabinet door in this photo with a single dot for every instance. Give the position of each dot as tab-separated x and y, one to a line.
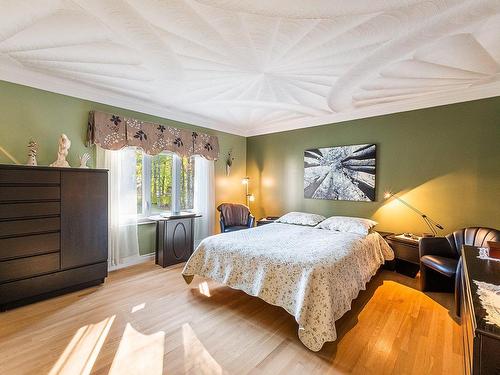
179	240
84	218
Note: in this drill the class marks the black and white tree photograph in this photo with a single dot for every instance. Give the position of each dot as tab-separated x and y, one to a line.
340	173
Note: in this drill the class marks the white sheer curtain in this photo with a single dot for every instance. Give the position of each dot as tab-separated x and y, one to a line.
122	198
204	198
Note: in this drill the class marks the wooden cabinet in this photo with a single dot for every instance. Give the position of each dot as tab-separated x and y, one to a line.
481	340
84	218
53	231
174	238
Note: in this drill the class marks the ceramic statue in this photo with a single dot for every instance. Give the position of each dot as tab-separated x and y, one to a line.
62	153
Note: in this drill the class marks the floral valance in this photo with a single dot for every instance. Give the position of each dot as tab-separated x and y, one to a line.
113	132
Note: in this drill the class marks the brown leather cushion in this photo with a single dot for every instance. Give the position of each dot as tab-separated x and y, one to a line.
446	266
474	236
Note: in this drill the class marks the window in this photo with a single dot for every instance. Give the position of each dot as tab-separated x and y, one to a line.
165	182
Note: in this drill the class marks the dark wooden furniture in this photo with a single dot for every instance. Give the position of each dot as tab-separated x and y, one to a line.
53	231
405	248
439	258
384	234
174	238
267	220
481	339
406	258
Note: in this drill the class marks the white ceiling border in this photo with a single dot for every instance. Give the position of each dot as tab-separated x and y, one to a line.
79	90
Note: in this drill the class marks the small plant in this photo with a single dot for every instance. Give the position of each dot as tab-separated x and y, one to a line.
229	162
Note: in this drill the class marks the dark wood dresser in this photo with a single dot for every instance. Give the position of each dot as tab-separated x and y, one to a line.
53	231
481	339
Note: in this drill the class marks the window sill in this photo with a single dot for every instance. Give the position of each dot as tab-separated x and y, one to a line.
144	220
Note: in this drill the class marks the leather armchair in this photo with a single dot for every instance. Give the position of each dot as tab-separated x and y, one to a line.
245	224
440	263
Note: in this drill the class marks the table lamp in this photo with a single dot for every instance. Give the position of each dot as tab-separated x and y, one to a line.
430	223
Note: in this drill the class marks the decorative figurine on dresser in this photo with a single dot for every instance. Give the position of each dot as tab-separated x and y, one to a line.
62	153
53	231
84	159
33	150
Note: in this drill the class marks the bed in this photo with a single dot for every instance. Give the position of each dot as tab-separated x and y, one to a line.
314	274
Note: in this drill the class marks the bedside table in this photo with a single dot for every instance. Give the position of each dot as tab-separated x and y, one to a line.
384	234
407	257
405	248
267	220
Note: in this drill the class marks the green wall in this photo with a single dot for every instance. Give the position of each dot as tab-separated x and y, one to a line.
31	113
444	160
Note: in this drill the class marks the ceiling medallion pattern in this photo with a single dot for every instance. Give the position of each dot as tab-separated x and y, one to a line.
260	66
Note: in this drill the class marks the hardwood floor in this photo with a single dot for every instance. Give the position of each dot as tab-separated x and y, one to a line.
146	320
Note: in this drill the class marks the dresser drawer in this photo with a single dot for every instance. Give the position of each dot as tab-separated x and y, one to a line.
28	267
28	193
20	227
20	210
49	283
17	247
29	176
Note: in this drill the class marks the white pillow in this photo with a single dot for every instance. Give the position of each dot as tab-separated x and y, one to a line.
348	224
301	218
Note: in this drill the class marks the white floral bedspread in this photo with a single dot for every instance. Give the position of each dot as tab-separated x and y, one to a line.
314	274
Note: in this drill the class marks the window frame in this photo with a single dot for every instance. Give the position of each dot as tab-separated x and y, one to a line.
147	163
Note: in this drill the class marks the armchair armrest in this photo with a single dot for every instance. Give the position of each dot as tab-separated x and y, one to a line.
222	225
251	220
434	246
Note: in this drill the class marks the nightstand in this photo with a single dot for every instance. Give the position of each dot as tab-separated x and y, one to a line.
267	220
405	248
407	258
384	234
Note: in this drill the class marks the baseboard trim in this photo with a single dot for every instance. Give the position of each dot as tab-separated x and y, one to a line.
132	261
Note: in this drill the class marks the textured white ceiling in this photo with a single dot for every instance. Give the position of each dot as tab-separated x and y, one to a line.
256	66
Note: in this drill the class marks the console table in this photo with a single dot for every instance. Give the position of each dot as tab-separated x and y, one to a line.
174	238
481	339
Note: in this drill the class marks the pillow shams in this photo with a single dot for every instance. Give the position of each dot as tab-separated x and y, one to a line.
301	218
347	224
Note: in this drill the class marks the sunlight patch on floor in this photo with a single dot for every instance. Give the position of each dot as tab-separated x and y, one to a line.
197	359
82	351
138	307
139	353
204	289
